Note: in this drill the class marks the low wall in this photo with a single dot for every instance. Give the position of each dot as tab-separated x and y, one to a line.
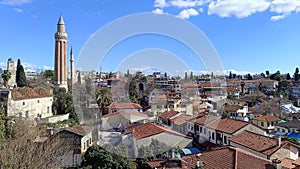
54	119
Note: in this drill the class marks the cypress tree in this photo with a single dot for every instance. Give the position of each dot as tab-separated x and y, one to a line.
20	75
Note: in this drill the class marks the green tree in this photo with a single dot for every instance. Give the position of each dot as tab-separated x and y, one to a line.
276	76
120	150
151	152
98	158
88	85
20	75
133	93
6	75
296	74
48	74
267	73
288	76
63	101
104	99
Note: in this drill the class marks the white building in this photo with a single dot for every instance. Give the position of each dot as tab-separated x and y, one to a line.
29	103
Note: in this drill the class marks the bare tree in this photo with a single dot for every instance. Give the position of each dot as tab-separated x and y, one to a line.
25	148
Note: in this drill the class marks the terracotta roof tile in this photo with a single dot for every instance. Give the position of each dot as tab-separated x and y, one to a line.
79	130
205	119
167	115
181	119
227	125
232	108
221	158
256	142
287	163
149	129
29	93
125	106
267	118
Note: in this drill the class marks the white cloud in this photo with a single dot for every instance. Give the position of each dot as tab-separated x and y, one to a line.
278	17
15	2
158	11
284	8
187	13
186	3
160	3
144	69
19	10
238	8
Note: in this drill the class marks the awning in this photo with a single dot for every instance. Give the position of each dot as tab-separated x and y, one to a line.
193	150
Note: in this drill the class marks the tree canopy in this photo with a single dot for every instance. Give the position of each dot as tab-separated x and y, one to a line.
63	103
104	99
20	75
6	75
98	158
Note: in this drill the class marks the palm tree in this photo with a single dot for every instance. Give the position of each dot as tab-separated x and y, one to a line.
6	75
104	99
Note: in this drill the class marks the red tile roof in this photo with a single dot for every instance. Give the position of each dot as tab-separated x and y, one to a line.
232	108
267	118
227	125
150	129
29	93
167	115
256	142
110	114
181	119
221	158
287	163
204	119
125	106
79	130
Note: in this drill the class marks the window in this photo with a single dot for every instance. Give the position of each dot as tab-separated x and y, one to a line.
283	130
204	130
38	101
48	109
262	124
27	114
23	103
200	129
213	135
225	139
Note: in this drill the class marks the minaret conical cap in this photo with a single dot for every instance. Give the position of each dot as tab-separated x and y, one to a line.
61	21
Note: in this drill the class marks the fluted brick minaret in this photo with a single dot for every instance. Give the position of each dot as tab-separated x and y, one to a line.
60	67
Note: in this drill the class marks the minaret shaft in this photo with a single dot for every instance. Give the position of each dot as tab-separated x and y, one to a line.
60	62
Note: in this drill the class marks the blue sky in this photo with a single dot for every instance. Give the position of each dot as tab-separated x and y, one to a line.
248	35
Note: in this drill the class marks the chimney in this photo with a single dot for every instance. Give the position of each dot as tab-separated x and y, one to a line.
278	141
276	163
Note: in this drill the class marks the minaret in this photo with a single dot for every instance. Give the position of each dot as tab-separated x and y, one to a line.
72	66
60	67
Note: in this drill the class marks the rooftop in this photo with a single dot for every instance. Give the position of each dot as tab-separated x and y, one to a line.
125	106
149	129
29	93
267	118
259	143
227	125
224	157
